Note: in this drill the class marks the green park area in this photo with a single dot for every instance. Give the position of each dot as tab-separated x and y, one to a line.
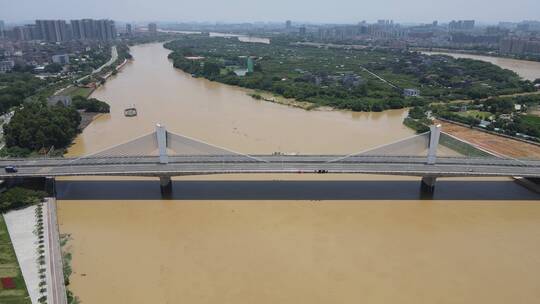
77	91
9	268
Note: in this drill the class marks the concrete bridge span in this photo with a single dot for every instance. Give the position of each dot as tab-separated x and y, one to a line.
157	160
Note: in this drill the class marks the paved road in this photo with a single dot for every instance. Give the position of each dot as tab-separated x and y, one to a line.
380	78
56	288
238	164
114	57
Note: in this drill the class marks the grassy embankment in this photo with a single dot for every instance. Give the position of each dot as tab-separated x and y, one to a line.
78	91
9	267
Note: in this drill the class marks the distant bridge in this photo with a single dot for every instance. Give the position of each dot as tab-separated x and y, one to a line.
163	154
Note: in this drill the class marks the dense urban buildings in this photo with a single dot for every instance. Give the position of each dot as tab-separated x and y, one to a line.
60	31
517	45
461	25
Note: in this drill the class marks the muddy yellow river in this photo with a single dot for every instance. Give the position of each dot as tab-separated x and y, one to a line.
272	239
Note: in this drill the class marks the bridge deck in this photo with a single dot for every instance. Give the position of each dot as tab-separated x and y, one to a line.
231	164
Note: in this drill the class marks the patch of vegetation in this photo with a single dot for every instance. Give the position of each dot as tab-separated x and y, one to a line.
528	124
18	197
417	125
341	78
471	121
37	126
90	105
502	114
417	120
9	267
123	52
77	91
477	114
16	87
256	96
66	262
40	233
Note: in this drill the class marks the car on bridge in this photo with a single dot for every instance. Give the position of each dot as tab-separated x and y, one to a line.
11	169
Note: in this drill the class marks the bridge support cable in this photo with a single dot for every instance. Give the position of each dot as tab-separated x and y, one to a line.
165	145
184	145
415	145
144	145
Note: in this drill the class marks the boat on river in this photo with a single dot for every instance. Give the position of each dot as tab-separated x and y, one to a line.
130	112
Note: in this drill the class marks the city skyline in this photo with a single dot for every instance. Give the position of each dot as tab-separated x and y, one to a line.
340	11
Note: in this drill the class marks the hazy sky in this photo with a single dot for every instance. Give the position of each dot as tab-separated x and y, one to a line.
337	11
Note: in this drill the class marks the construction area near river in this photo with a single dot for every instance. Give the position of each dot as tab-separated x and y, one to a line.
491	142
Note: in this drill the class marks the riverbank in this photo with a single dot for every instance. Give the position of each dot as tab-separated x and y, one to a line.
267	96
494	54
529	70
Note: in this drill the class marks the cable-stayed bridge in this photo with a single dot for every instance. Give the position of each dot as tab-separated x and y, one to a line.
164	154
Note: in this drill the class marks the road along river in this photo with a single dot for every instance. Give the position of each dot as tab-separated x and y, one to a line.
284	239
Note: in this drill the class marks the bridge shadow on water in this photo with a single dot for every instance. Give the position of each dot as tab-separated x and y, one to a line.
293	190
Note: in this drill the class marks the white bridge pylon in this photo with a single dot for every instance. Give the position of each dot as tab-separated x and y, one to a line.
165	144
429	144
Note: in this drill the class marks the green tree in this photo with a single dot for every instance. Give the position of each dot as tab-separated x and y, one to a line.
37	126
19	197
53	68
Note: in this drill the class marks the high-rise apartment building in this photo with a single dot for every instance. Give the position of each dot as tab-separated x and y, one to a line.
288	24
152	28
2	29
89	29
77	29
105	30
53	30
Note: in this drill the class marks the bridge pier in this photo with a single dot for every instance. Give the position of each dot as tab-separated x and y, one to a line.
428	184
50	186
165	183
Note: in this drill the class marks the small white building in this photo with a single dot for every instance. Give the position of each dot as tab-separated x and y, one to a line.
411	93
